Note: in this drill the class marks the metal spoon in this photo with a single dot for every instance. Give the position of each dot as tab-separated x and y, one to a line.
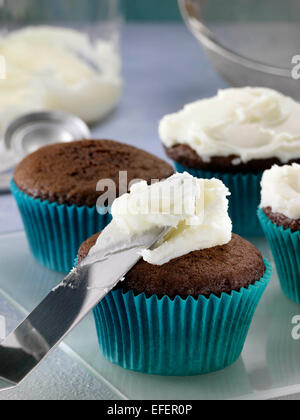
29	132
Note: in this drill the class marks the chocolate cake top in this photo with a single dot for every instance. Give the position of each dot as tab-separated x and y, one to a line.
67	173
186	156
210	271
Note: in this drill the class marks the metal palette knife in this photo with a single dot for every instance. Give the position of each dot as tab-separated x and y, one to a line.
66	305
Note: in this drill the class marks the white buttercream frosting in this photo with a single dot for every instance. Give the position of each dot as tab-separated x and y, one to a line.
281	190
58	69
252	123
195	209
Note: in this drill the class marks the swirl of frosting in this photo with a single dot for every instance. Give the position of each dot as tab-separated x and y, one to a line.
281	190
251	123
195	209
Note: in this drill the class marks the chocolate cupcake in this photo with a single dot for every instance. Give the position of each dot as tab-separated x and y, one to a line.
280	219
185	308
56	191
236	264
235	136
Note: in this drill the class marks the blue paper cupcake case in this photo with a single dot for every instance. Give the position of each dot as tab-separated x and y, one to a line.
285	246
55	232
244	199
176	337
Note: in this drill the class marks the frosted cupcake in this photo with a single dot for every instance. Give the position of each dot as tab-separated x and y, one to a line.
185	308
57	195
235	136
280	219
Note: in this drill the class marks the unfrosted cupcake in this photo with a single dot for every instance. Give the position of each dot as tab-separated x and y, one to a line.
280	219
235	136
56	191
185	308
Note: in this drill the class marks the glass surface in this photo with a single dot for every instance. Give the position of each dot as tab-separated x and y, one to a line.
269	366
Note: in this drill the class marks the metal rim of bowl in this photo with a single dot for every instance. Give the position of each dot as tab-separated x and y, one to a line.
205	36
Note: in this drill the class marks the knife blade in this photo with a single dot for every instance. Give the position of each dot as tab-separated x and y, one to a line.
66	305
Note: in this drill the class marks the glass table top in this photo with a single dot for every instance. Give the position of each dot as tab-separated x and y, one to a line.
269	366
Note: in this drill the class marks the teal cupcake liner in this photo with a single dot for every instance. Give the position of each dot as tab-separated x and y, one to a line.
176	337
244	199
285	247
55	232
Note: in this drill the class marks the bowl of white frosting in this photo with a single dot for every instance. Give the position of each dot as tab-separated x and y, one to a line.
59	55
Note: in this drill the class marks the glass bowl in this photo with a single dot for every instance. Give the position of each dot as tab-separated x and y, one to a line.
249	42
60	55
